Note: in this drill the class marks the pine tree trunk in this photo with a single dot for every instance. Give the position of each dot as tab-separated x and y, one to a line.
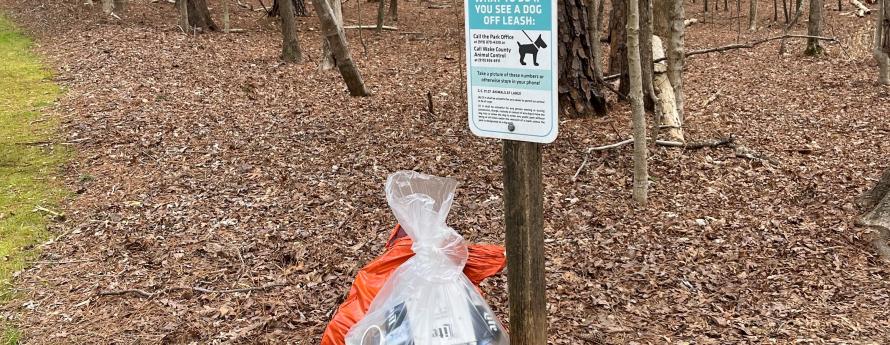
641	178
618	43
335	36
199	15
752	15
182	8
882	46
327	61
814	28
579	90
290	45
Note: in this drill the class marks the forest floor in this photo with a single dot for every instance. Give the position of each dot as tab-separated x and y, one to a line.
202	160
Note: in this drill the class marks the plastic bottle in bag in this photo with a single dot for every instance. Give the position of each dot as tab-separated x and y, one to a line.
428	300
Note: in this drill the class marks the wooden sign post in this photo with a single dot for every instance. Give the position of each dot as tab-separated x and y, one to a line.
523	211
512	95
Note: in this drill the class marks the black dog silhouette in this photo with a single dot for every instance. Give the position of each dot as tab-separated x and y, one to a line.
531	49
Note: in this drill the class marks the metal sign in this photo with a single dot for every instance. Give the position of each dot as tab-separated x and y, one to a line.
512	69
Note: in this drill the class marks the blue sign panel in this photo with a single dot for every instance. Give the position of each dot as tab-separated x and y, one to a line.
512	69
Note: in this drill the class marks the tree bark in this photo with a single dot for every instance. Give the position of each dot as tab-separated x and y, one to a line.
199	15
594	34
640	183
579	90
335	36
328	62
882	35
394	10
670	26
788	26
645	22
227	23
182	8
814	28
107	6
618	43
752	15
676	54
290	45
381	18
661	21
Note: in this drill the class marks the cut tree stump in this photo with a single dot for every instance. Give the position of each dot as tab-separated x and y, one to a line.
876	205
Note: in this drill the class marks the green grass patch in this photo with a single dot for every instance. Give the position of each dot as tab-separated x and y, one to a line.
28	169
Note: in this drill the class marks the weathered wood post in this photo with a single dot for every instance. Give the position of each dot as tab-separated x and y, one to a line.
523	211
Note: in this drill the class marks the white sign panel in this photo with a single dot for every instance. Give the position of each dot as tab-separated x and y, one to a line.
512	69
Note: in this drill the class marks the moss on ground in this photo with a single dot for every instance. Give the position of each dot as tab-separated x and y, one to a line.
28	166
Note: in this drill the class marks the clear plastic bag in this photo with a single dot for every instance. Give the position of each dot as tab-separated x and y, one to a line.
428	300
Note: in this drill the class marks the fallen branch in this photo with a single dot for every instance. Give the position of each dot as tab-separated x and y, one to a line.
611	146
147	294
63	262
247	289
690	22
370	27
861	9
128	291
56	215
754	44
729	141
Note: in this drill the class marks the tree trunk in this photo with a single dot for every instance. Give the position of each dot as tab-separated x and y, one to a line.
290	45
107	6
594	34
776	10
328	62
661	20
876	205
120	6
881	48
789	26
641	178
182	8
199	15
337	39
645	23
227	24
394	10
298	5
752	15
579	90
618	43
674	36
814	28
381	18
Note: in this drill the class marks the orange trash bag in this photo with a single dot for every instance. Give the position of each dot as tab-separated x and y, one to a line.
483	261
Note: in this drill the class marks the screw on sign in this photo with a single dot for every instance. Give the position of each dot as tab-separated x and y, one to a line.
512	95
